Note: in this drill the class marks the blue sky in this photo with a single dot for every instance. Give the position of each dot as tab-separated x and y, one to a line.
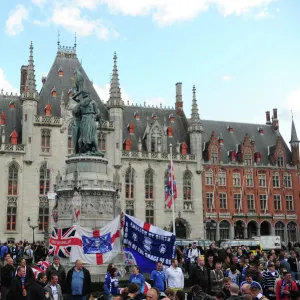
242	55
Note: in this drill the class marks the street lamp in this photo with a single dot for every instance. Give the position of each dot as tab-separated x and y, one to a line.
33	227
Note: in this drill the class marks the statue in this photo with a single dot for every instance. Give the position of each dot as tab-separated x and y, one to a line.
76	205
85	115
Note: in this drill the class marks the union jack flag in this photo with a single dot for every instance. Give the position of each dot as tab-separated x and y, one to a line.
40	267
169	189
62	240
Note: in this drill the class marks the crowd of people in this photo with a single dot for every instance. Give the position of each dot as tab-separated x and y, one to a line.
195	274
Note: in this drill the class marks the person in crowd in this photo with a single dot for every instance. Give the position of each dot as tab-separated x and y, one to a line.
7	275
180	295
28	271
174	276
57	269
235	262
28	254
249	280
268	282
234	292
245	289
216	279
220	295
284	264
197	293
234	275
18	288
285	286
53	289
152	294
139	279
256	293
264	260
187	260
210	264
199	275
226	287
193	253
158	277
78	282
3	251
227	263
132	291
111	284
179	256
293	262
36	288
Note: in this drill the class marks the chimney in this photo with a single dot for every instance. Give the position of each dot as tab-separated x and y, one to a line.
24	70
268	118
275	122
179	103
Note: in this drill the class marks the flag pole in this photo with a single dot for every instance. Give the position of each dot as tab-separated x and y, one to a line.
172	192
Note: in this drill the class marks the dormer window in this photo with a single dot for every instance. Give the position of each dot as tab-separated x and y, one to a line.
170	131
127	145
53	92
221	140
3	119
214	157
260	130
70	93
258	157
280	161
130	128
14	138
248	159
171	118
60	72
156	136
12	104
230	128
137	115
154	116
184	148
48	110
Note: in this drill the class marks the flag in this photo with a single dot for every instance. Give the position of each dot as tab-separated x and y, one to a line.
169	188
40	267
98	246
147	244
62	240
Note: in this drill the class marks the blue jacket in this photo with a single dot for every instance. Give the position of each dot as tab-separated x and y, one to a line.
111	285
139	280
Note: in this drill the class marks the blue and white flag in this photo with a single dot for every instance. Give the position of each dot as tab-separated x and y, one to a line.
146	244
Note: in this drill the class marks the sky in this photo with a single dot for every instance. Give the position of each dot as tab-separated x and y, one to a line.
242	55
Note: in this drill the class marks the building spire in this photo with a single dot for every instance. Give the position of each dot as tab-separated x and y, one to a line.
75	43
195	122
30	85
115	98
294	138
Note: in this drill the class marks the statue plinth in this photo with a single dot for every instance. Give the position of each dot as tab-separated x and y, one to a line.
87	187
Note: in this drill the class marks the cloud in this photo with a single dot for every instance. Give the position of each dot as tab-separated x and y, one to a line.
103	93
14	23
42	23
39	2
166	12
226	77
263	14
5	85
71	18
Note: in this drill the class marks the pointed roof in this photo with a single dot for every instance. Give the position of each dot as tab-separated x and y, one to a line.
30	85
294	137
195	122
67	60
115	98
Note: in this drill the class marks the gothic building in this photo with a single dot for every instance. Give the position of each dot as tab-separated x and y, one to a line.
245	173
36	139
250	180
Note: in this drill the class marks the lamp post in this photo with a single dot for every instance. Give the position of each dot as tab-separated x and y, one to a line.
33	227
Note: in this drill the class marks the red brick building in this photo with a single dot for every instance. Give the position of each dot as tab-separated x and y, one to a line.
251	183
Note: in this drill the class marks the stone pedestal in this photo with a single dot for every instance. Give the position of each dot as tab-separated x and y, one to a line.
88	176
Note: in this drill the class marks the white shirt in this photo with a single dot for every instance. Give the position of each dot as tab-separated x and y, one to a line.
54	292
174	278
193	253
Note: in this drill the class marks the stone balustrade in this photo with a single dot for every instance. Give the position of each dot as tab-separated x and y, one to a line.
8	148
47	120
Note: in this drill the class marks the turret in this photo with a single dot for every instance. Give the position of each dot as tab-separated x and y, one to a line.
195	130
294	142
29	99
115	106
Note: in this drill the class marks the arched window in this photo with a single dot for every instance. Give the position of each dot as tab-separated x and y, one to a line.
149	185
13	180
280	159
222	177
279	230
70	140
287	180
44	179
292	232
156	139
45	140
129	183
43	214
276	180
187	185
224	229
